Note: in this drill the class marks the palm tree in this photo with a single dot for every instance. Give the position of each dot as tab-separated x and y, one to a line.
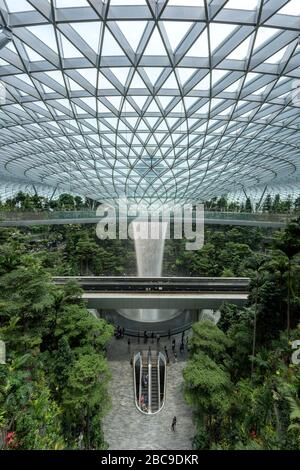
294	404
279	266
258	263
288	242
86	250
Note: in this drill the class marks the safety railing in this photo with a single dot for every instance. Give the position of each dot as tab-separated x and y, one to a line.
161	358
162	333
149	382
158	382
137	381
90	214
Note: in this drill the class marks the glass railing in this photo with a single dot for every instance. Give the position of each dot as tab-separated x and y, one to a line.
20	215
91	214
262	216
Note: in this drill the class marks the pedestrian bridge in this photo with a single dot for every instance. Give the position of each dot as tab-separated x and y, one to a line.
165	293
26	219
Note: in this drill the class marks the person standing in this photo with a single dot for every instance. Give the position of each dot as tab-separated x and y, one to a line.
173	345
174	422
157	338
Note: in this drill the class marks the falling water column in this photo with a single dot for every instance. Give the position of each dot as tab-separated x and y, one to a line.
149	240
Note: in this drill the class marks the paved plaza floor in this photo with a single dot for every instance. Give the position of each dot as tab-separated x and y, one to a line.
125	428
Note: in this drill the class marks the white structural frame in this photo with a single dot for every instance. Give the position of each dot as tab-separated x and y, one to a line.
153	100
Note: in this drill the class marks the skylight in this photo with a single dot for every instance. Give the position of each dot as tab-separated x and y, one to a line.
187	85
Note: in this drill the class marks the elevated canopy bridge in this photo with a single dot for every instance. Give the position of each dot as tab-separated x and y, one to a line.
26	219
160	293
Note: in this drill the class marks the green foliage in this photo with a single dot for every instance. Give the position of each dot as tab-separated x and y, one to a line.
209	339
240	380
207	382
54	386
38	427
84	386
207	385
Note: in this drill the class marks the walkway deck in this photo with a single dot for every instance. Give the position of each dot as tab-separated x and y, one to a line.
24	219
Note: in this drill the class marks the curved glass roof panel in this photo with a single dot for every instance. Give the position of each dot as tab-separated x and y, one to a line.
154	100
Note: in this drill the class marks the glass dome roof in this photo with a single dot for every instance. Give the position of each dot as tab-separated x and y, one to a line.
153	100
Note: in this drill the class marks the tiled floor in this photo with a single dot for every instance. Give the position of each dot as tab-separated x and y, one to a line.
125	427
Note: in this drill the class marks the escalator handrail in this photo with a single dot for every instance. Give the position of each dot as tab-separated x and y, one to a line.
141	373
137	396
149	384
158	381
163	358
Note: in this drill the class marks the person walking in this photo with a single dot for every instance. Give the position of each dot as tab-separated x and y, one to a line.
152	337
157	338
181	349
173	345
174	422
145	337
169	334
128	342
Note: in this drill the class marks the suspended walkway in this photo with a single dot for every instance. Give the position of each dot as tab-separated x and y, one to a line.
159	293
18	218
150	375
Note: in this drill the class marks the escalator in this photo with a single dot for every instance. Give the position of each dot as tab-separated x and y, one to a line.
149	381
154	390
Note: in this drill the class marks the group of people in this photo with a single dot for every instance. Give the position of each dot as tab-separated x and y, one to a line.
144	396
181	348
119	332
144	403
145	380
150	334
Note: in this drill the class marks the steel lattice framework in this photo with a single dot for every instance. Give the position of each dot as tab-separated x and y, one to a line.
155	100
